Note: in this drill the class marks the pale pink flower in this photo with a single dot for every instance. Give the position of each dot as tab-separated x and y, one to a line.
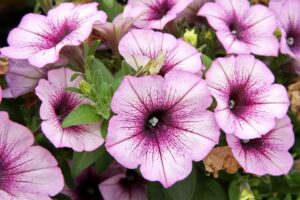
138	47
57	103
162	125
112	32
241	28
289	22
154	14
190	13
22	77
248	102
40	38
124	186
268	154
27	172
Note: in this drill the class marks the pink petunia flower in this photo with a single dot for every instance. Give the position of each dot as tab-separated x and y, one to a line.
154	14
57	103
162	125
112	32
124	186
40	38
243	29
22	77
268	154
289	21
190	13
291	66
86	184
247	100
138	47
27	172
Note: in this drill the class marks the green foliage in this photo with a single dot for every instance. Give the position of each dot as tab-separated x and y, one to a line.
83	114
234	190
208	189
102	85
184	189
111	7
82	160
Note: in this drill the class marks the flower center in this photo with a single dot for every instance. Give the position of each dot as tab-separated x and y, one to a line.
57	33
158	9
155	120
131	179
235	28
253	144
290	41
293	39
239	100
87	187
231	104
245	141
64	103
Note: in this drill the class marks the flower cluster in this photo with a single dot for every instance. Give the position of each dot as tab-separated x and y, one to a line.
146	97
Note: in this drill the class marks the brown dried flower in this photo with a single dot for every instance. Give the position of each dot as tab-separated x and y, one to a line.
221	158
3	65
294	94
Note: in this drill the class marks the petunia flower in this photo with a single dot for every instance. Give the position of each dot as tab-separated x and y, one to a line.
86	186
57	103
243	29
289	22
124	186
154	14
22	77
247	100
27	172
112	32
291	66
40	38
190	13
139	47
268	154
162	125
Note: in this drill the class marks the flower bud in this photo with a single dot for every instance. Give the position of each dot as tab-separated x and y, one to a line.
190	36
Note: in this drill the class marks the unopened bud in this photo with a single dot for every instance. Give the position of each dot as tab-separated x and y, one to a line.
190	36
85	87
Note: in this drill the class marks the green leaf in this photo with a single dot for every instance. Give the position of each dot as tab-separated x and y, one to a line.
99	70
89	50
82	160
103	162
288	197
183	190
208	189
107	3
84	114
127	69
156	191
75	75
112	11
104	127
234	191
73	89
206	61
